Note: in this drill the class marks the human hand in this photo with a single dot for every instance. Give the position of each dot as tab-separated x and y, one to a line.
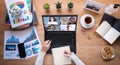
46	45
67	53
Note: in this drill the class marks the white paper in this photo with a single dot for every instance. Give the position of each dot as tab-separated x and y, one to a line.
58	56
103	28
24	18
112	35
30	39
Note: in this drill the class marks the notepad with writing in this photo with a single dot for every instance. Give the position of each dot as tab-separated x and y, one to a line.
58	56
109	29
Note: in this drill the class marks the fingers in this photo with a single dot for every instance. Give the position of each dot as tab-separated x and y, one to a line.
47	43
66	54
66	51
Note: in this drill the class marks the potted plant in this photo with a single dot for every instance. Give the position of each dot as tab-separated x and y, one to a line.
58	5
70	5
46	6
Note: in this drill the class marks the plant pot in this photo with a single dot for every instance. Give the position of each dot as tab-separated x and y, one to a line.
47	10
58	6
70	6
69	9
58	9
46	7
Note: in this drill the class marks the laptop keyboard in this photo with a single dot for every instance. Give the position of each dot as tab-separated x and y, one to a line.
62	41
59	40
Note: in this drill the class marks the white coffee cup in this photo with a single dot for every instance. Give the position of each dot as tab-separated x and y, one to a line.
87	21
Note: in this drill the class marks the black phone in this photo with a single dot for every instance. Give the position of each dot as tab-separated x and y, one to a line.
21	49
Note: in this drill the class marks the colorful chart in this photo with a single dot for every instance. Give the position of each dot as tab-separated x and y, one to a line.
19	4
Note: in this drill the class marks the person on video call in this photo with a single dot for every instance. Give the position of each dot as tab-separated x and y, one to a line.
72	20
52	28
67	53
71	24
52	21
64	20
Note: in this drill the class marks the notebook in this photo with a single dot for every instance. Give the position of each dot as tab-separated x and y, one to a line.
109	28
58	56
61	30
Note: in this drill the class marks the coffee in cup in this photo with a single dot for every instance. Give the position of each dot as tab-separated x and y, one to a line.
88	20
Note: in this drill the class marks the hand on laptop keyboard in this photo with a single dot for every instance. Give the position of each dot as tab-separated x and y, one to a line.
46	46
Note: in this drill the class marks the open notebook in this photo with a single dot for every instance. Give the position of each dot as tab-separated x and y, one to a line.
109	29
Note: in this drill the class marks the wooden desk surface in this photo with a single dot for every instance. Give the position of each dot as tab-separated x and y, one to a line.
88	50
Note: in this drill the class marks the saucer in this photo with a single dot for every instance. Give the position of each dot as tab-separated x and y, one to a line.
103	54
83	24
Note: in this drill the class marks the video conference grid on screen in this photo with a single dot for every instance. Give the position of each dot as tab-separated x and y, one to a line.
60	23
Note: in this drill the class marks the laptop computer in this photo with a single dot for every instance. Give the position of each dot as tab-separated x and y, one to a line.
61	30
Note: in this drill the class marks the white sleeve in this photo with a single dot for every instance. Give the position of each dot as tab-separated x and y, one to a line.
76	60
40	58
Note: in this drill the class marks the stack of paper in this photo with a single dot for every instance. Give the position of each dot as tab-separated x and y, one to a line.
26	19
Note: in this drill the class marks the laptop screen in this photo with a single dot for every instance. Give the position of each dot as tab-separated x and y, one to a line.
59	22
